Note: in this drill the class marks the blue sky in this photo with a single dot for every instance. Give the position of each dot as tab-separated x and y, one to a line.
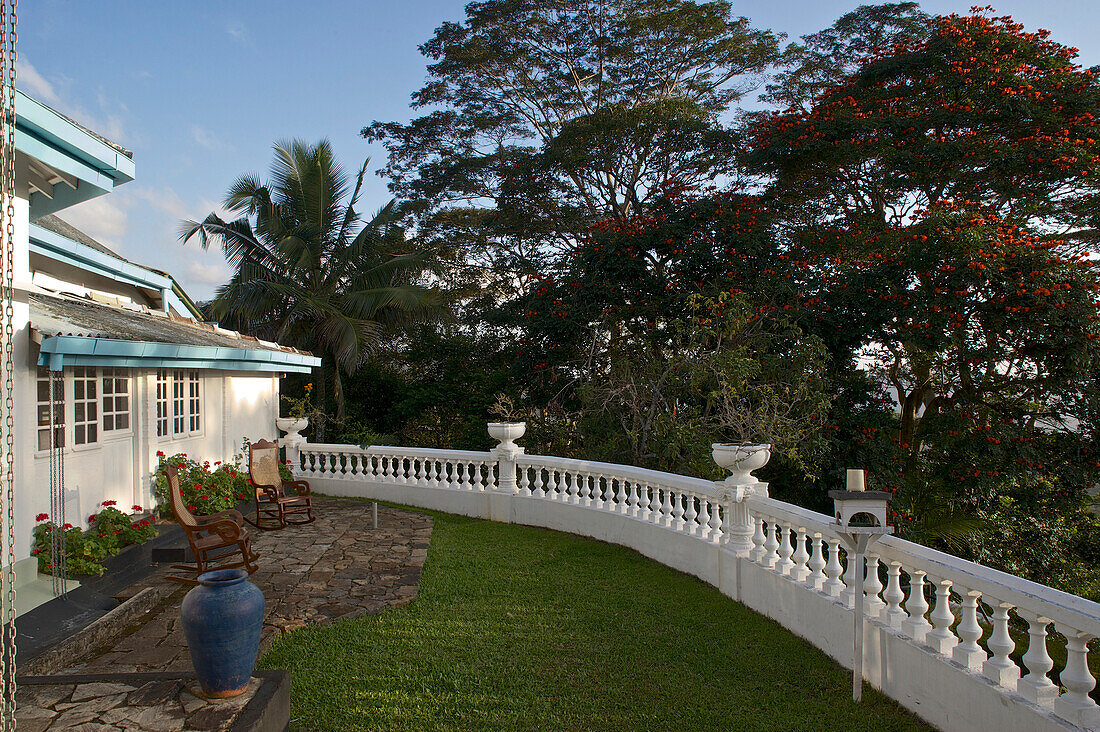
200	91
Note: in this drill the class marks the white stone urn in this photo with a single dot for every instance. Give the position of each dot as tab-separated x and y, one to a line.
741	459
292	426
506	433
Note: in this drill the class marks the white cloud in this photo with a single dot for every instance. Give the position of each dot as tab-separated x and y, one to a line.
33	83
237	30
207	274
101	218
165	200
206	138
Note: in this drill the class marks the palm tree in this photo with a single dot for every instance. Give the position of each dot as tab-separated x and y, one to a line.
308	271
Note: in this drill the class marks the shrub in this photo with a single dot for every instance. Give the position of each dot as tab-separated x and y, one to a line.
108	531
204	490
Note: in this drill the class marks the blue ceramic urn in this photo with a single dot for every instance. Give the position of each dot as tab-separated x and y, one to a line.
222	617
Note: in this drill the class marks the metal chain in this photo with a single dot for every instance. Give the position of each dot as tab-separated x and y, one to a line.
8	159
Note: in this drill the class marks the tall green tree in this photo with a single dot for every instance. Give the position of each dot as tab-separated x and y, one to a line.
549	115
308	270
939	197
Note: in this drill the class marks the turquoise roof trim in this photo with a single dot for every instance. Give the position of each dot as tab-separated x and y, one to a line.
61	248
62	144
60	351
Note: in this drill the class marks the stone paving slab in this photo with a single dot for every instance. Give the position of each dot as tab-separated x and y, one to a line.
334	568
170	705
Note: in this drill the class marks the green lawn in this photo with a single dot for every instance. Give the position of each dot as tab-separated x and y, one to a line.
518	628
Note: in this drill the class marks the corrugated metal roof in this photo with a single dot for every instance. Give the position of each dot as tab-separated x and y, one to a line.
67	230
53	315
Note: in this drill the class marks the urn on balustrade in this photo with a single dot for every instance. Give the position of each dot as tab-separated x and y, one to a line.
222	617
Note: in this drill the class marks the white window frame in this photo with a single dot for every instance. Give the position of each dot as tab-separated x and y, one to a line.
87	379
57	402
109	397
194	403
162	402
179	403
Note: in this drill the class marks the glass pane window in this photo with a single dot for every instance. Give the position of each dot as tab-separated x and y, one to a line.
194	398
116	400
162	403
45	404
85	406
179	404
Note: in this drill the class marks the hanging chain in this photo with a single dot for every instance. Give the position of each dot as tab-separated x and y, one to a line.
8	39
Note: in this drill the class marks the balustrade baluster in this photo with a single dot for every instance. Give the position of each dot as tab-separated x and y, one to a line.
834	585
916	626
941	638
386	466
784	565
800	572
678	511
771	545
1076	706
716	522
620	496
816	564
691	513
756	554
524	480
1000	668
1036	686
895	614
540	483
705	508
968	653
872	589
848	596
666	507
552	484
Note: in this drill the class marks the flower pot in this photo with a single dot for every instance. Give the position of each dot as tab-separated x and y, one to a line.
741	459
506	433
222	617
291	425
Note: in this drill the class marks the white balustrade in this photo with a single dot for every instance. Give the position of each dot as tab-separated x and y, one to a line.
969	614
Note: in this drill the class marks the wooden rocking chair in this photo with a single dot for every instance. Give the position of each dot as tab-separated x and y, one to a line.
218	541
275	508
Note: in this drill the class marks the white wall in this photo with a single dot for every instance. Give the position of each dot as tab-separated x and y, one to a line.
119	467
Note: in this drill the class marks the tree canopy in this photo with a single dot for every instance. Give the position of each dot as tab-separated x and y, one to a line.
548	115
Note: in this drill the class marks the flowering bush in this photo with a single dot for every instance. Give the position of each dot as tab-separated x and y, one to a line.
109	531
205	488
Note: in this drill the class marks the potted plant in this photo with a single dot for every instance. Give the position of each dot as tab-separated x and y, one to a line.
298	412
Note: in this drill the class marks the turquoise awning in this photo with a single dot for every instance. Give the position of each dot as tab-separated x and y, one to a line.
57	352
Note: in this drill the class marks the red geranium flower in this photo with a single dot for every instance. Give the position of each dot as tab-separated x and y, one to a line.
109	503
160	453
91	519
42	517
67	526
136	507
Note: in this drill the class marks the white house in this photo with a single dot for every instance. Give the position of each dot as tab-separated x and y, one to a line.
140	371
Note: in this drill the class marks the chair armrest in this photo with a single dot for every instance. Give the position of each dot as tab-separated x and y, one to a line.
231	514
301	486
226	528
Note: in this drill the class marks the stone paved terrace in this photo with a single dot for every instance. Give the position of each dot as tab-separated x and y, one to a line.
337	567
